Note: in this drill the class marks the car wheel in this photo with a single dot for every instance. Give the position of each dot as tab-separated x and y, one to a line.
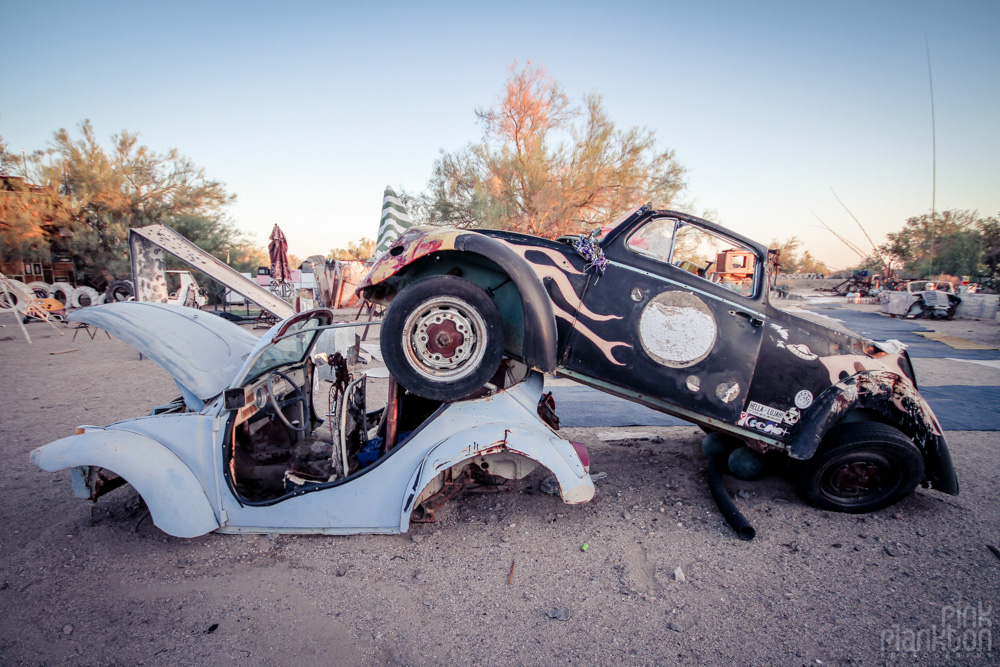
119	290
442	338
860	467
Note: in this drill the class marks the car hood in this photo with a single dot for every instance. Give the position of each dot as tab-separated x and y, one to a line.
203	352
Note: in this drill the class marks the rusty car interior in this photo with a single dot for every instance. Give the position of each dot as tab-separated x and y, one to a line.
291	432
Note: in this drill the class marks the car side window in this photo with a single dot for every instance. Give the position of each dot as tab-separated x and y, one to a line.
654	239
699	251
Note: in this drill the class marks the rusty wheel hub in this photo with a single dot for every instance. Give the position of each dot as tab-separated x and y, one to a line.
857	477
445	338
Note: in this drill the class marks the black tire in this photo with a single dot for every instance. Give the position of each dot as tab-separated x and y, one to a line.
442	338
119	290
61	293
860	467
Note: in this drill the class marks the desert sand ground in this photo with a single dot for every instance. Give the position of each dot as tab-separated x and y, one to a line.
84	584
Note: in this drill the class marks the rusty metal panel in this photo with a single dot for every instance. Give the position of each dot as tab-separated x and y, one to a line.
149	276
147	245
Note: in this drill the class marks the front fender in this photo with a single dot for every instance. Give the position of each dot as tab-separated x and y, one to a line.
895	398
176	499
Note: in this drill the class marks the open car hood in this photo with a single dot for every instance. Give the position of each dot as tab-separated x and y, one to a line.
203	352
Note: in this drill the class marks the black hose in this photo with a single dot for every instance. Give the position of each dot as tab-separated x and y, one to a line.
726	505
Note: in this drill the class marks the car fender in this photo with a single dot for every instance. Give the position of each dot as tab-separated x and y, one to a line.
540	336
895	398
556	455
176	499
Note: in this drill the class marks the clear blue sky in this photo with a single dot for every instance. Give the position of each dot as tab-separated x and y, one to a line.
307	110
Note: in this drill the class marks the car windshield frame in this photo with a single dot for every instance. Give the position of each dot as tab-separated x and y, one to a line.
290	349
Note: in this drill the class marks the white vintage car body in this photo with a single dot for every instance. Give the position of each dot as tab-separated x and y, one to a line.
189	460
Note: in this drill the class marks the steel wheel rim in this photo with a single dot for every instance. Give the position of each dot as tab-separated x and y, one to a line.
857	479
444	339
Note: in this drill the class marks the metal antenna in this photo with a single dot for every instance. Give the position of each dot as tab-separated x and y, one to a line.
842	239
874	247
875	250
930	81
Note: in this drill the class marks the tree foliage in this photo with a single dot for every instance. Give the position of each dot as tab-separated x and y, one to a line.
7	164
790	260
947	242
990	228
361	250
547	167
29	217
105	191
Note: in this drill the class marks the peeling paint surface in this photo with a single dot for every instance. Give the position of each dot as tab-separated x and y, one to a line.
677	329
727	391
782	331
414	243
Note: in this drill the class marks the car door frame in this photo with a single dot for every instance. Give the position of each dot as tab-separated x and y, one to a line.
613	357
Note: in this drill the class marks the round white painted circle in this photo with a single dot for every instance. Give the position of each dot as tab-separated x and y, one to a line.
677	329
803	399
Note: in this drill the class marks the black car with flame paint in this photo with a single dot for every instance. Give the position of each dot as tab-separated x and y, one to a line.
672	312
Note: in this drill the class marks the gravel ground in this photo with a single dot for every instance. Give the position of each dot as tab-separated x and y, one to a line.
662	581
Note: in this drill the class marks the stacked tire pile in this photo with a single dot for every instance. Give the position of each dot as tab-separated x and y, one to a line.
72	297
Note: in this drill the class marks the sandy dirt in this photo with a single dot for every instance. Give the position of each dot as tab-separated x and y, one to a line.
663	580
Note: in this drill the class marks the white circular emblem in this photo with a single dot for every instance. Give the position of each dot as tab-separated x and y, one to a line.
803	399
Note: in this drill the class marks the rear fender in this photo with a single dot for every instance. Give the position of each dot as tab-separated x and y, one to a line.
897	400
176	499
540	337
558	456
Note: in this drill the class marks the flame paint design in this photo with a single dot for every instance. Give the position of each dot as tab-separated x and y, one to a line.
557	273
605	346
558	276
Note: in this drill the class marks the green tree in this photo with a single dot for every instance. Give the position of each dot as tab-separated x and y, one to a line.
30	216
948	242
355	251
547	167
990	230
107	191
7	160
221	239
787	259
809	264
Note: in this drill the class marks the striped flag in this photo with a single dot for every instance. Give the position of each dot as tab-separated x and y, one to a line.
395	220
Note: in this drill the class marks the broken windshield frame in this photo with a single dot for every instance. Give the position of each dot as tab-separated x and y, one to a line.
290	349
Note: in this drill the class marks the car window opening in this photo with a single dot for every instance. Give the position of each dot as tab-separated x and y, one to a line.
701	252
